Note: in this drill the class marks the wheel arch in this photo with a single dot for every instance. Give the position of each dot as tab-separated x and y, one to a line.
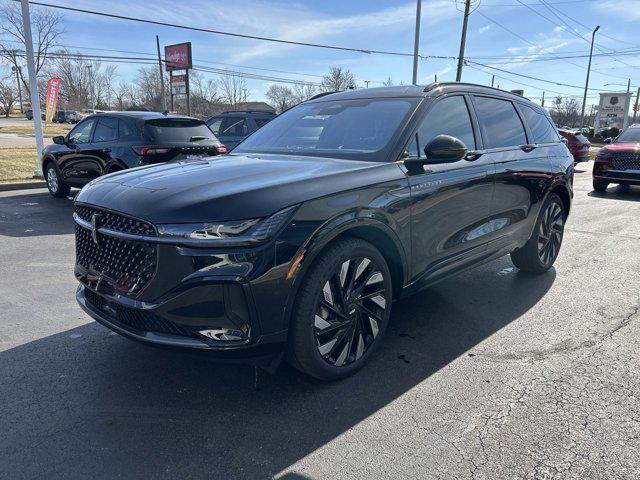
562	191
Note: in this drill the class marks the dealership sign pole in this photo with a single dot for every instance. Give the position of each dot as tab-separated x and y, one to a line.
178	57
33	82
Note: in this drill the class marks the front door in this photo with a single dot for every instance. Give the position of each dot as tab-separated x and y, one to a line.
450	202
79	162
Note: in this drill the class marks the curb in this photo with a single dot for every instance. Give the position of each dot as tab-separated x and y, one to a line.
7	187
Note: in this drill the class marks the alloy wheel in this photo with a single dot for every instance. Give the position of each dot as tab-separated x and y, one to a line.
350	311
550	233
52	179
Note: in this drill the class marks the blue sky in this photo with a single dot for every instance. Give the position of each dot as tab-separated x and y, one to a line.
383	25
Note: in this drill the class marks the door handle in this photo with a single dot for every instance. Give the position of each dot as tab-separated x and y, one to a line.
473	155
528	147
106	150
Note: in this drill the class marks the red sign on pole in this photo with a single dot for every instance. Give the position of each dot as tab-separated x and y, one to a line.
53	88
178	57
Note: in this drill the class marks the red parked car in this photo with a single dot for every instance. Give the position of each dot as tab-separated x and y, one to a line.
619	160
577	143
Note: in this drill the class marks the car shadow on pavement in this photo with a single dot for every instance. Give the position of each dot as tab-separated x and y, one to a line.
34	214
86	403
629	193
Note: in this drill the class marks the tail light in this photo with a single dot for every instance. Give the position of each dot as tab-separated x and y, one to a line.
221	148
150	150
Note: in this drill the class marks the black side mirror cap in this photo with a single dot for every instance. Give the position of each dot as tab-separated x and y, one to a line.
444	149
59	140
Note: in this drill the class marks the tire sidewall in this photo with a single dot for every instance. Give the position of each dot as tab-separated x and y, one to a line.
552	198
302	345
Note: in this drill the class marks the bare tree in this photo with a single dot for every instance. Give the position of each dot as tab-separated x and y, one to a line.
123	94
8	96
147	89
565	111
205	98
233	89
388	82
281	96
302	92
338	79
46	28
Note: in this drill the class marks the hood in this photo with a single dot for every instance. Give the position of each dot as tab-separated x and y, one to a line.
229	187
621	147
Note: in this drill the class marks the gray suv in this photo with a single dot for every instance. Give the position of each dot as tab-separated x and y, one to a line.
233	127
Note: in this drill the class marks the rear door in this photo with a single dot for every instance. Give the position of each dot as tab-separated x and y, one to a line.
105	140
522	169
450	202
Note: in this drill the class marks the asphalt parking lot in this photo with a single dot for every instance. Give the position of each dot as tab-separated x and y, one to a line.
492	374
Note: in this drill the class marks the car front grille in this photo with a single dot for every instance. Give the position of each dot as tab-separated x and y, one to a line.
138	320
114	221
129	265
626	161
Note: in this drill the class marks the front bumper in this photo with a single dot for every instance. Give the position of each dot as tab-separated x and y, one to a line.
628	177
169	324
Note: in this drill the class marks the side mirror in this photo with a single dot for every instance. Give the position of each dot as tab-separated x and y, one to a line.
608	140
445	149
59	140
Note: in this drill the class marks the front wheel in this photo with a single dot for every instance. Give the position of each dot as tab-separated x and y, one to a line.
57	188
600	185
341	310
541	251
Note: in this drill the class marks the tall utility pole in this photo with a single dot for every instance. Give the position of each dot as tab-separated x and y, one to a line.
542	105
17	70
493	78
367	83
33	81
416	43
635	108
164	100
586	84
463	39
91	87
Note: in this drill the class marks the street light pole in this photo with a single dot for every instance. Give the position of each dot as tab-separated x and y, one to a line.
33	81
463	39
586	84
635	108
416	43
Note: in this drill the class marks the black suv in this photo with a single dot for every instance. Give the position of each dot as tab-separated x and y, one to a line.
233	127
299	241
113	141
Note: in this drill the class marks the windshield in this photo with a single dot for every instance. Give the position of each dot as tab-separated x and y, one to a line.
350	129
172	130
629	135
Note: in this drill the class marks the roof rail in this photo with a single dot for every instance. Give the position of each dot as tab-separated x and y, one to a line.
247	111
319	95
433	85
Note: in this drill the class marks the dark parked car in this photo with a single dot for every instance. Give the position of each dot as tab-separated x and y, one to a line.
298	242
110	142
29	114
233	127
618	161
60	116
577	143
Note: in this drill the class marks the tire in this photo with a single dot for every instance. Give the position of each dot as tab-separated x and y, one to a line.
57	188
541	250
341	310
600	185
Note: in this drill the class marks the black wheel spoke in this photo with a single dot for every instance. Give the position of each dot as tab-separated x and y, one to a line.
350	311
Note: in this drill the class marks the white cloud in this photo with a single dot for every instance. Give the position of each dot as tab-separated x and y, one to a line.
484	29
559	29
429	77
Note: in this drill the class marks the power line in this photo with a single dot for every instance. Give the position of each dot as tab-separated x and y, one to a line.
219	32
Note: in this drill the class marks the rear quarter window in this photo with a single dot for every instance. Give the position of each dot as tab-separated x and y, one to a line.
500	124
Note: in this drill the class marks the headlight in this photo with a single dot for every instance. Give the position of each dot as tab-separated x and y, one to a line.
231	233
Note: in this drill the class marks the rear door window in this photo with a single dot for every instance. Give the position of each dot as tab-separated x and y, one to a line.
499	123
177	130
106	130
539	125
234	127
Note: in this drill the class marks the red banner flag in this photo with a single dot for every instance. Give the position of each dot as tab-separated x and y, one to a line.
53	88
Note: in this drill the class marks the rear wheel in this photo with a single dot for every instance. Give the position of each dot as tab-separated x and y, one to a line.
57	188
600	185
341	311
541	251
